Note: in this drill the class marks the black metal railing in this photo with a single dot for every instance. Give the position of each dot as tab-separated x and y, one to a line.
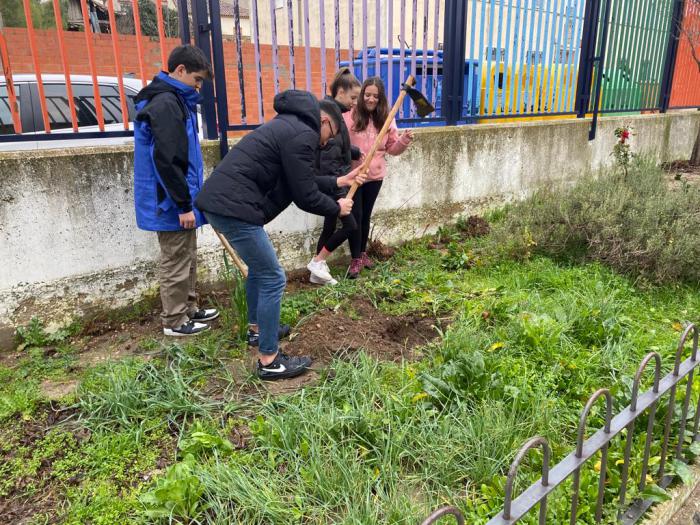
570	466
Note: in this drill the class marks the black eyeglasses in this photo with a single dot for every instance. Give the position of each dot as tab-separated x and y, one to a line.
333	132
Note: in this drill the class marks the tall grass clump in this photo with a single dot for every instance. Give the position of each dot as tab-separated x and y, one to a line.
235	318
133	394
638	224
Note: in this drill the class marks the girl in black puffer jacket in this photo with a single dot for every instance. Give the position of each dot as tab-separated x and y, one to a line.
336	159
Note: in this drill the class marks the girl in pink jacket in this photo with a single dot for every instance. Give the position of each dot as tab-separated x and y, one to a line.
364	123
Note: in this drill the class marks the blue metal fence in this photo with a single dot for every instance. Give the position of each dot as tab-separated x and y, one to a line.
474	59
529	51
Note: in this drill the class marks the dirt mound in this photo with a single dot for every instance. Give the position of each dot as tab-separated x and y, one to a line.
357	326
474	226
380	251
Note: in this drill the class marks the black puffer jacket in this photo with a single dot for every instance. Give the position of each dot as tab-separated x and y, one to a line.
282	151
337	156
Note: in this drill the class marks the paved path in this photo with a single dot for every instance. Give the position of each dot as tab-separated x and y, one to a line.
689	514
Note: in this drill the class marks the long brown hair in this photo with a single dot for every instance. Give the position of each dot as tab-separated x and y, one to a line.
361	115
345	80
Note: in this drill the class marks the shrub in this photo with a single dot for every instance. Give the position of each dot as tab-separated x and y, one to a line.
636	224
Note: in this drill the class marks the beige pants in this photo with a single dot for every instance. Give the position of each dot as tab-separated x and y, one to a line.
178	276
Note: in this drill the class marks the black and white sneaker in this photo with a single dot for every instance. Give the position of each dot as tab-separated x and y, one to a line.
187	329
205	314
254	337
283	367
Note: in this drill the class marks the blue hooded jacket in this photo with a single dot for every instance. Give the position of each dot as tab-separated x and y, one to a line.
168	168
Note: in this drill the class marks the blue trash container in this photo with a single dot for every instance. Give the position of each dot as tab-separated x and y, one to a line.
470	106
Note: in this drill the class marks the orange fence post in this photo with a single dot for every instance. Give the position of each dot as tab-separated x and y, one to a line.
7	71
64	59
91	58
118	62
685	89
161	35
139	42
37	68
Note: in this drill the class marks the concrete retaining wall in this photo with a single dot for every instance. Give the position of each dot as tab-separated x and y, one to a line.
69	243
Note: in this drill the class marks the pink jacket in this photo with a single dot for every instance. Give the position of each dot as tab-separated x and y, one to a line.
392	144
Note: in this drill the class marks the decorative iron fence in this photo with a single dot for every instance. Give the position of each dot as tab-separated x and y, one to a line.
622	423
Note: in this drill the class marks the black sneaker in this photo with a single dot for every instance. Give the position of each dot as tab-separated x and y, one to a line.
205	314
254	337
283	367
187	329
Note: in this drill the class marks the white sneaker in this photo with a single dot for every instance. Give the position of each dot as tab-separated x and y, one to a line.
316	280
319	269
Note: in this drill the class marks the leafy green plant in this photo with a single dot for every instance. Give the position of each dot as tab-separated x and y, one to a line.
34	334
19	399
18	396
296	307
621	151
178	494
203	442
458	258
538	331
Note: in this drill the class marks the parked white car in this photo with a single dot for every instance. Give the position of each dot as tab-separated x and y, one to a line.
27	91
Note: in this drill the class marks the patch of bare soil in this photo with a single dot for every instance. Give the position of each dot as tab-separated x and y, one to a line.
55	390
103	339
680	172
110	341
340	333
298	280
357	326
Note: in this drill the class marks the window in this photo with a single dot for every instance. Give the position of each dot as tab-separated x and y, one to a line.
59	110
6	125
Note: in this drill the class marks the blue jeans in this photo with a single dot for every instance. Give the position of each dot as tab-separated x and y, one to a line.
266	278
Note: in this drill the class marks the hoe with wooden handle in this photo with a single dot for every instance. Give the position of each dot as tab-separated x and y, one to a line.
423	108
236	259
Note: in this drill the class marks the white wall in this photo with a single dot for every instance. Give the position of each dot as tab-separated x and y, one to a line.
69	242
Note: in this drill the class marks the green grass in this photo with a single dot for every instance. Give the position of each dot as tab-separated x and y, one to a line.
384	443
99	474
525	344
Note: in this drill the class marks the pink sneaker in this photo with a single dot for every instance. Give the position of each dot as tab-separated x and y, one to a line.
366	261
355	268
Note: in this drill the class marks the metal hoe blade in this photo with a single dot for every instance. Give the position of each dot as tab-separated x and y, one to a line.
423	107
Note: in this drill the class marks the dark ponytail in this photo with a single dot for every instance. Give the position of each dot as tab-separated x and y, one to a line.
344	79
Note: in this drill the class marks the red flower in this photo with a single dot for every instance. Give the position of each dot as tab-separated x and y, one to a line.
625	134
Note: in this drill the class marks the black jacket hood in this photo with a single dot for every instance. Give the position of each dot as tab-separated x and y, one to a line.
302	104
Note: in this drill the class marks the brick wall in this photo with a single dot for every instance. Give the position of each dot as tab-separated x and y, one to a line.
76	47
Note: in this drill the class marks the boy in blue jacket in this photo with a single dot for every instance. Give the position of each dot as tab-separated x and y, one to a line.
168	174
